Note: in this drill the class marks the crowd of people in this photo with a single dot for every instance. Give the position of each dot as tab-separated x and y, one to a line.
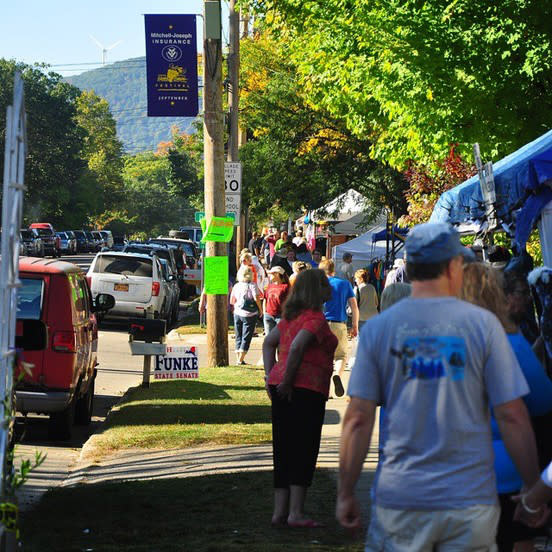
450	355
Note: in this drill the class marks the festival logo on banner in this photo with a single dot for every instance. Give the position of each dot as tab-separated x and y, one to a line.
171	61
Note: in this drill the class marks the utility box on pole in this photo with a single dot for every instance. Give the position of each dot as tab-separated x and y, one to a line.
213	148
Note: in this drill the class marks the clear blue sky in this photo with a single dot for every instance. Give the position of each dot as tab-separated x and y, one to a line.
58	31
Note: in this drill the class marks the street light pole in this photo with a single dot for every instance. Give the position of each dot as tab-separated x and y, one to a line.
213	149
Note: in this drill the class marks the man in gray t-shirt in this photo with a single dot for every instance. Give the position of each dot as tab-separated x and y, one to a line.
435	364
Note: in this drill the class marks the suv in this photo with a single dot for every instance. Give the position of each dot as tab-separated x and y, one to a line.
187	259
168	255
48	236
61	383
135	280
32	242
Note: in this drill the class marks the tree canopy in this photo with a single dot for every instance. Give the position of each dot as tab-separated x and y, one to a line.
299	156
54	140
415	76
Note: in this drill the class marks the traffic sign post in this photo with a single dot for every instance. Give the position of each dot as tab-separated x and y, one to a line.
232	187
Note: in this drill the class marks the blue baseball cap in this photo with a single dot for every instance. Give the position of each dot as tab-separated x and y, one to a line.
434	242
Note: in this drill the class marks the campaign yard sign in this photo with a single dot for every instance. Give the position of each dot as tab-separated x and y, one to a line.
171	62
180	362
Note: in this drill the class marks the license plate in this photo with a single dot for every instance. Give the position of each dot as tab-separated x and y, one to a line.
121	287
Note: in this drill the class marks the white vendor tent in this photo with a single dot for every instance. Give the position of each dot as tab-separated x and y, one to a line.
362	248
345	212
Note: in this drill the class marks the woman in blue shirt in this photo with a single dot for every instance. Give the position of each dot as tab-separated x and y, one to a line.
483	286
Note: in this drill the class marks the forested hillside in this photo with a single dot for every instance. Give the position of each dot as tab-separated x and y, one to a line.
123	85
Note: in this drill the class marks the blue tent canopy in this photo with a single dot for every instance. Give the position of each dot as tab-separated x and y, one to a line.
520	183
384	234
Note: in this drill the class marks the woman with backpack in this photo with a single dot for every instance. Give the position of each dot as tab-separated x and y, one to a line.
246	300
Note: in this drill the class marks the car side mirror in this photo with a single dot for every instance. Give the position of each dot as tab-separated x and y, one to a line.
103	302
31	335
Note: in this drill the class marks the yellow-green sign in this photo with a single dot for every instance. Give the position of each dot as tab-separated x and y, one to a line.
220	229
216	275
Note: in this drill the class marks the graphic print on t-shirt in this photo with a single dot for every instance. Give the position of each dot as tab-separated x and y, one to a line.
433	357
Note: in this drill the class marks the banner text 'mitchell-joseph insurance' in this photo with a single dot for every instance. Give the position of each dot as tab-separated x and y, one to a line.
171	61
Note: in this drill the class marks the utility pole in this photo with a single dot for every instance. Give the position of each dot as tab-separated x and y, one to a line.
233	103
213	149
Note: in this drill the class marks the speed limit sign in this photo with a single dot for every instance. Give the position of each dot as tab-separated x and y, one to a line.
232	188
232	178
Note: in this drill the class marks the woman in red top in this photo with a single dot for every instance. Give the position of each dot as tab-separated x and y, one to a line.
275	295
298	386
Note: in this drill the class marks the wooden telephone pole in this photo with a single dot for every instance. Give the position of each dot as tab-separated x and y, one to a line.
213	149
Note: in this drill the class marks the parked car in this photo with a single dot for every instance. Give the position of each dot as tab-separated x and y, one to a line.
82	241
72	241
64	243
108	238
188	248
32	242
98	239
170	282
61	383
48	236
187	257
134	279
194	233
92	243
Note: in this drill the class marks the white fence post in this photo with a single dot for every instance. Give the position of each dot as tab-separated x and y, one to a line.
12	208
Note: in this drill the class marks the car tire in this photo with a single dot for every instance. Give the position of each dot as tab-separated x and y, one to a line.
60	424
85	405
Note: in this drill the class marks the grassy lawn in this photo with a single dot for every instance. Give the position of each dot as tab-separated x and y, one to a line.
227	405
212	513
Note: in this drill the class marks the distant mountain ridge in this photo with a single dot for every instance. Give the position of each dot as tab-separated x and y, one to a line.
123	85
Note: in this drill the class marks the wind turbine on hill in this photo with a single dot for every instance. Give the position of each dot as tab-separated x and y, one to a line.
103	48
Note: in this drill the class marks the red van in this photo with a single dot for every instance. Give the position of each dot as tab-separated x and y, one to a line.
62	380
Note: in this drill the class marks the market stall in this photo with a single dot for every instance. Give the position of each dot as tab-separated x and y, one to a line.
522	191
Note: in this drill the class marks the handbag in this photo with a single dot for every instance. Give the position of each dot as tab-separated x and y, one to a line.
249	304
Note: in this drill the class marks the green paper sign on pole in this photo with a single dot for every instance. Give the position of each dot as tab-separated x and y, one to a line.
216	275
220	229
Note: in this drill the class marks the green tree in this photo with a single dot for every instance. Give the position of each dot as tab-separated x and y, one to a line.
53	164
185	165
299	156
102	150
417	76
149	203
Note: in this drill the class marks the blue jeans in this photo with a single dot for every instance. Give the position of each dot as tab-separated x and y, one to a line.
269	322
244	326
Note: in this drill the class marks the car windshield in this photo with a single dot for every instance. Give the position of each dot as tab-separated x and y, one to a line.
27	234
44	232
62	235
79	234
29	298
135	266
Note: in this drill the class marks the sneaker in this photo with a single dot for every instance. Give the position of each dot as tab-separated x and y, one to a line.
338	385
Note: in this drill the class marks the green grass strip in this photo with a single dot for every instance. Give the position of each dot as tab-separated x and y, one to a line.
227	405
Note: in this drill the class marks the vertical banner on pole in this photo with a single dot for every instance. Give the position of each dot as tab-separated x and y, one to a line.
171	61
